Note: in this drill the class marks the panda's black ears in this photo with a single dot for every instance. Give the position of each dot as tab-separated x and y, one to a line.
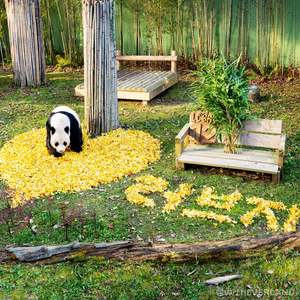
67	129
52	130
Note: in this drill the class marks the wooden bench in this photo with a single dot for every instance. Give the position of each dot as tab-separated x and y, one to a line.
255	135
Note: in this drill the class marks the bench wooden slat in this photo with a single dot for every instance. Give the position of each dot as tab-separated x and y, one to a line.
259	140
243	154
228	163
263	125
146	58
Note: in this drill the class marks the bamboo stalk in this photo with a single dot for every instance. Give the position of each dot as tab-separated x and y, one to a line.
211	28
263	58
229	30
69	31
243	31
198	31
294	38
61	27
283	36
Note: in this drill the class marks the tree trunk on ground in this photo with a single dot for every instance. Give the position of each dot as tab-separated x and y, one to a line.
235	248
100	71
26	42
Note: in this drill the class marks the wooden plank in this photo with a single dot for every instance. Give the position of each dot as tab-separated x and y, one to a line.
140	82
263	125
248	157
163	81
163	87
259	140
146	58
183	132
229	163
131	95
138	77
244	151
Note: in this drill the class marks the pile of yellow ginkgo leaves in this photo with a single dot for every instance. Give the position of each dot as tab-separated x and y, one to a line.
30	171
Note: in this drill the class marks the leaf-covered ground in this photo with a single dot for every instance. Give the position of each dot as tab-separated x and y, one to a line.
21	110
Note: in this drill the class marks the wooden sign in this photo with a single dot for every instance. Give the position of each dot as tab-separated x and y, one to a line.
200	133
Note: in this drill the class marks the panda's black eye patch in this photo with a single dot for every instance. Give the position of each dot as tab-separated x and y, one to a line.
56	144
65	144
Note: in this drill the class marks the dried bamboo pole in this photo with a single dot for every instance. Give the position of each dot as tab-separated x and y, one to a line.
100	80
26	41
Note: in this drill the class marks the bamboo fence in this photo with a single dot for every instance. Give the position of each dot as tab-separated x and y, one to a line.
100	72
26	42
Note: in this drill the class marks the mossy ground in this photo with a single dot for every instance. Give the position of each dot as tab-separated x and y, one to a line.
273	276
24	109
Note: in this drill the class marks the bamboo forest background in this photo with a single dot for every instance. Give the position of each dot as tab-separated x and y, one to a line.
265	32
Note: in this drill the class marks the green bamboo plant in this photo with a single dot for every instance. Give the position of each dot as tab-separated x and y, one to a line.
221	88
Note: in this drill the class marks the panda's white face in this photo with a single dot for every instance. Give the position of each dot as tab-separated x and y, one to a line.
60	132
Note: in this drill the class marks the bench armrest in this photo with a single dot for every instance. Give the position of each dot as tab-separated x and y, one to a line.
281	149
282	143
182	139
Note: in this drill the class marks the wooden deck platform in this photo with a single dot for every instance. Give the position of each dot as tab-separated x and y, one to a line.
141	85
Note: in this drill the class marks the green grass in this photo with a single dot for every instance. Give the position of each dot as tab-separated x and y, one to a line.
269	276
24	109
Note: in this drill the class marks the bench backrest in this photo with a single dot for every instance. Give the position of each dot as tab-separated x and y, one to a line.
261	133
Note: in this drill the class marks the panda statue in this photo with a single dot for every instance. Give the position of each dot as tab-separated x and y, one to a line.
63	130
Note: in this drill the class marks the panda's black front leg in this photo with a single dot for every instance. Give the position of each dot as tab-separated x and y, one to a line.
76	149
57	154
52	150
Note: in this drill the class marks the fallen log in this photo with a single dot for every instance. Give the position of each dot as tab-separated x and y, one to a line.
235	248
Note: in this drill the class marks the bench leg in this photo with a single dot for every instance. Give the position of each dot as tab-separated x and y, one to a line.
145	102
276	177
179	165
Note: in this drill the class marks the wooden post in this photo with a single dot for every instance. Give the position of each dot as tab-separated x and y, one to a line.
26	42
100	67
118	62
174	63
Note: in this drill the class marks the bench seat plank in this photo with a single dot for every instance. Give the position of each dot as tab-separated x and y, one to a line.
243	154
229	163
